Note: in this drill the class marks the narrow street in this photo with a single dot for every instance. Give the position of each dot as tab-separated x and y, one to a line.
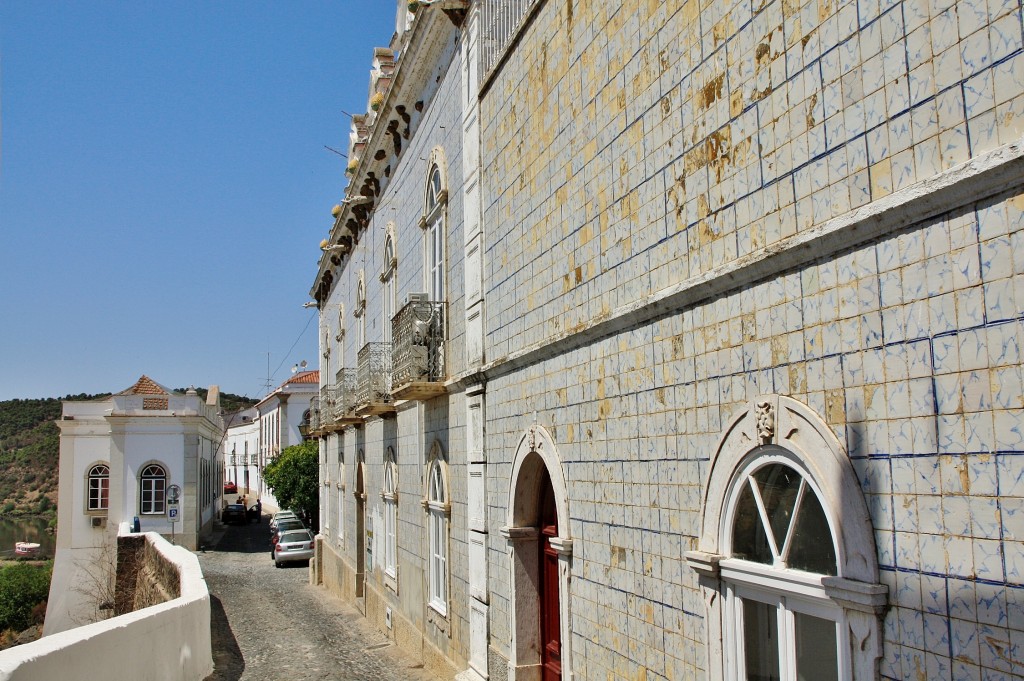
269	623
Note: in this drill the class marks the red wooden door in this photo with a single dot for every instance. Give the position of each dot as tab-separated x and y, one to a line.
550	624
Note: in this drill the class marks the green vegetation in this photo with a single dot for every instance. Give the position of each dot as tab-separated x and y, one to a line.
24	588
229	402
294	477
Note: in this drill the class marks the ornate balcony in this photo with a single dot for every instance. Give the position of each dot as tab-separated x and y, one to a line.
315	422
345	398
418	332
373	382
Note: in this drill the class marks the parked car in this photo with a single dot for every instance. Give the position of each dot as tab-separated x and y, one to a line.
284	527
233	513
230	488
279	517
294	545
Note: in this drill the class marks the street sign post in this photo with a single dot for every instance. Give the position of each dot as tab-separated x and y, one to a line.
173	494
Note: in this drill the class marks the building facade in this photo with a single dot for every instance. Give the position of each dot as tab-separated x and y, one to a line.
738	388
120	459
277	421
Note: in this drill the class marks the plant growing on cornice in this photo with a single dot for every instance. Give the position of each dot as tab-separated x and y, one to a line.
414	5
352	165
376	100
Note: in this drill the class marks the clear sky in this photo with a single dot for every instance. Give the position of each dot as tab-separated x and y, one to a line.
164	185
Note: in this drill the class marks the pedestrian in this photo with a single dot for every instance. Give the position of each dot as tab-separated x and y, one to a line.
259	511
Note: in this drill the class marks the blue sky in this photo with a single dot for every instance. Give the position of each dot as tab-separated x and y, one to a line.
164	185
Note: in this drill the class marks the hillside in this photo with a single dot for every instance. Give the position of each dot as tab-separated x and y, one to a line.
30	448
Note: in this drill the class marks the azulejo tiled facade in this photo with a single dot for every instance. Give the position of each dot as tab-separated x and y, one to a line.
718	348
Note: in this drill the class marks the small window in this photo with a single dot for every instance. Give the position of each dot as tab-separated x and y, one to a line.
153	487
390	498
437	520
99	488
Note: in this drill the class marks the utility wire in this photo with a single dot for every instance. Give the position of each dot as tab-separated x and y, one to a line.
288	354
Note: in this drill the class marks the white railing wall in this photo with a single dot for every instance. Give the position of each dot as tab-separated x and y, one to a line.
165	642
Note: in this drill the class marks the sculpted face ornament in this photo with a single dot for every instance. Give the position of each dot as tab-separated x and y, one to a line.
765	416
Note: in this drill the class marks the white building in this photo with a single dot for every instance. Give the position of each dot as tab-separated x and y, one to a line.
119	457
241	449
280	415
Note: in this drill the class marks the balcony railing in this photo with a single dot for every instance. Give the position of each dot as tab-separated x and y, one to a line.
373	384
418	331
345	390
315	421
499	21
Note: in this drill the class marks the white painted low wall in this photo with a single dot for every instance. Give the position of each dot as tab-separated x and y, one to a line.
166	641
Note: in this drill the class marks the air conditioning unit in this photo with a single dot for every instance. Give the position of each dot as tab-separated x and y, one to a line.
99	521
416	298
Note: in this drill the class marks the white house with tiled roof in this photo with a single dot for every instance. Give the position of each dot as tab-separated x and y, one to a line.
119	457
279	417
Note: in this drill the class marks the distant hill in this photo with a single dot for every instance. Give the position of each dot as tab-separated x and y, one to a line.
30	450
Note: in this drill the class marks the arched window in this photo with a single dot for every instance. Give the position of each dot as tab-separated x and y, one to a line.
341	494
360	311
438	509
153	484
390	497
387	277
800	597
433	225
779	621
99	488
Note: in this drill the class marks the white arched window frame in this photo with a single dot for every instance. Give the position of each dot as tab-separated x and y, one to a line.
786	559
388	279
98	488
360	311
438	509
340	336
389	495
433	224
152	489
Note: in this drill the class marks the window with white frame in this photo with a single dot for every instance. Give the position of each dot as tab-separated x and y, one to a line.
387	277
390	497
99	488
340	337
437	529
153	484
360	311
779	623
787	542
341	494
433	223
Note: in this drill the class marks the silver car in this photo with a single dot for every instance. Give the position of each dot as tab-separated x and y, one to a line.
294	545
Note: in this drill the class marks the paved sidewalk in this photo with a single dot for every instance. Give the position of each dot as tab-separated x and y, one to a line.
269	623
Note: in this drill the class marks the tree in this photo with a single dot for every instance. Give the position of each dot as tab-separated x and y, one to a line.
294	476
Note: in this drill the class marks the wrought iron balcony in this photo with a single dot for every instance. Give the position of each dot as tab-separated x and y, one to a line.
418	331
345	390
314	416
373	380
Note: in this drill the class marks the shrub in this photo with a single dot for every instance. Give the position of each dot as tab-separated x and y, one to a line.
23	587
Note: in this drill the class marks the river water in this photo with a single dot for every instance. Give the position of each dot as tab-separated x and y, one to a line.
26	529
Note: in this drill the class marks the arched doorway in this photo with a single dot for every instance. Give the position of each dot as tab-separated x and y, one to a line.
541	562
550	626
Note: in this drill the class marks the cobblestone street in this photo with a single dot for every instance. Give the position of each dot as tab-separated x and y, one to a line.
269	623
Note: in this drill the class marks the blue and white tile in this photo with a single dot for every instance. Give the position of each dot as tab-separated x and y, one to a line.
933	593
960	556
988	559
962	599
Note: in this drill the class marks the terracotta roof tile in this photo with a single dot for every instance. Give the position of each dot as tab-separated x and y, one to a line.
146	386
303	377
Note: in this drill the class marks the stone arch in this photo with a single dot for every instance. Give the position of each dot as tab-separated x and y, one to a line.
777	427
536	455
